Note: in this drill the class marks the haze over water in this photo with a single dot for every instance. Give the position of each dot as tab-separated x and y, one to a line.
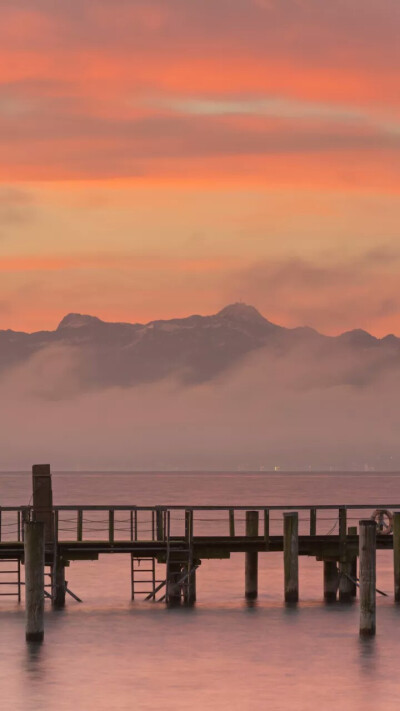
109	653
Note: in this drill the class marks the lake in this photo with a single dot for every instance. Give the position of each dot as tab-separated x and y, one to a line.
109	653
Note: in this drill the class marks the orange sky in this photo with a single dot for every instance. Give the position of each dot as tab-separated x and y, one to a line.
160	157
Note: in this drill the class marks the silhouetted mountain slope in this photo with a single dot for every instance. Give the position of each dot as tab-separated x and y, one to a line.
195	349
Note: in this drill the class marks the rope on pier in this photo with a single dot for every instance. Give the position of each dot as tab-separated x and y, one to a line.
333	527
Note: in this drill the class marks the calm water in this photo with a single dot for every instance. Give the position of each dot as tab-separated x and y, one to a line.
109	653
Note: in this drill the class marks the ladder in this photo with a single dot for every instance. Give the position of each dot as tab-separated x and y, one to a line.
180	568
10	578
144	583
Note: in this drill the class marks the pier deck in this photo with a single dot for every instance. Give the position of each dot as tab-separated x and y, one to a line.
166	544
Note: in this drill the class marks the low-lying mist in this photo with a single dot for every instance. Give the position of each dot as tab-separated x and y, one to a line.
310	407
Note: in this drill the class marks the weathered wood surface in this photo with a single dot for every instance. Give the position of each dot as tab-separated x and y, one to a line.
251	559
291	556
367	577
34	535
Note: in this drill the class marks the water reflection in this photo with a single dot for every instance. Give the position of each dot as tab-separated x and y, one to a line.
33	665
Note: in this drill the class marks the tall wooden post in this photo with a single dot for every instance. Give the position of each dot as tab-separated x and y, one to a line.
251	558
291	555
367	577
396	554
42	499
331	580
34	542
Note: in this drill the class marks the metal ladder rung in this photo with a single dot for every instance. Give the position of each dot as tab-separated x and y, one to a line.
143	579
9	582
14	581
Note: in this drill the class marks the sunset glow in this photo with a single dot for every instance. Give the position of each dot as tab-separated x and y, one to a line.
164	158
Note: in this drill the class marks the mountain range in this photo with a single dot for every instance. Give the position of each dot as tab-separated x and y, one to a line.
195	349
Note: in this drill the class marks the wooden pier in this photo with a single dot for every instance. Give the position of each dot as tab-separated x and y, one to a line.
175	539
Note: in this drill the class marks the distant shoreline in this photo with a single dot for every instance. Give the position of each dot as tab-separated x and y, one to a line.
221	472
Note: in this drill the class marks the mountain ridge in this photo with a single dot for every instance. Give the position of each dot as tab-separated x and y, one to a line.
236	310
194	348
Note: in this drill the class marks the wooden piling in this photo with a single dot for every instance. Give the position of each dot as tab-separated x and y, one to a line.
251	558
331	580
266	529
345	586
352	531
190	587
345	583
34	542
291	555
59	585
396	554
367	577
173	585
42	499
313	521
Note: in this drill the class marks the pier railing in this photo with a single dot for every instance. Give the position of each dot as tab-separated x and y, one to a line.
148	523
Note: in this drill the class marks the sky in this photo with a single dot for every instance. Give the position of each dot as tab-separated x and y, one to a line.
164	157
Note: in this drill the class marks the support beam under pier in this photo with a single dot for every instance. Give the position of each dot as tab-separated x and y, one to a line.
291	555
331	580
251	559
59	585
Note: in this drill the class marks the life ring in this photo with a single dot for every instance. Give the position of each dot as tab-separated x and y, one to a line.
384	521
